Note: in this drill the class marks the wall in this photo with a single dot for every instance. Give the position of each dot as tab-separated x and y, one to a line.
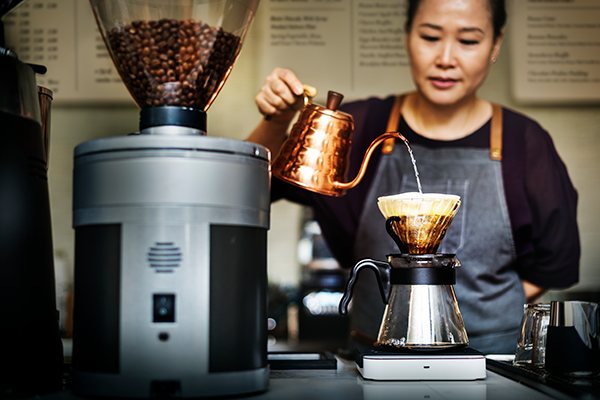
575	130
576	134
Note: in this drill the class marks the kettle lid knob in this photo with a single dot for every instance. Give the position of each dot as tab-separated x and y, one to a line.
333	100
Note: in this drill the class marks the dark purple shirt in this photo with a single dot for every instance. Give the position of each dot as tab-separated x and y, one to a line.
540	197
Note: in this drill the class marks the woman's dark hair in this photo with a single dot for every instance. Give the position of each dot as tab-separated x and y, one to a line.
497	10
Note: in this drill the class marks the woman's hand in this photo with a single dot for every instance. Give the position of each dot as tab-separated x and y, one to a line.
278	100
532	292
281	96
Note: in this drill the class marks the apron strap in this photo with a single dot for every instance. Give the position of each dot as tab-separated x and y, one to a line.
496	133
495	130
392	126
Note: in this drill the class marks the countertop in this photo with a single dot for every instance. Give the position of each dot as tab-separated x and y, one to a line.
346	383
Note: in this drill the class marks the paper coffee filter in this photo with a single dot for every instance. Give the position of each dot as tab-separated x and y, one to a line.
418	204
418	222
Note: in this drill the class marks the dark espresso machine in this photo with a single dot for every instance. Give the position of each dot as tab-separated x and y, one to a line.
32	347
170	224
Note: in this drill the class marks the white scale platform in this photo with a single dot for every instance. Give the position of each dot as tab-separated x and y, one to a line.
458	365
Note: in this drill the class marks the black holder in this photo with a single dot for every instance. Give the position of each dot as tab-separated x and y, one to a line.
388	227
169	115
422	276
566	353
387	275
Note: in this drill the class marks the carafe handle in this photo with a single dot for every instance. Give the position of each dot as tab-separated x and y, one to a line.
367	157
382	273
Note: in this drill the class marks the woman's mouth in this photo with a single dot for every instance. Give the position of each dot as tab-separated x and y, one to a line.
442	83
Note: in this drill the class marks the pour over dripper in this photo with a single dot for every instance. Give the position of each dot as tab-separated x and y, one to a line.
421	309
418	222
174	53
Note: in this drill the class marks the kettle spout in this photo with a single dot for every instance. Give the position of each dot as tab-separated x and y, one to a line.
363	167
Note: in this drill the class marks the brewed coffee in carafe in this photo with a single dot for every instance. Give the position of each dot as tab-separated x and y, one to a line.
421	309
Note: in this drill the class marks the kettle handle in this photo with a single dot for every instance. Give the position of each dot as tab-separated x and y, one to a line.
365	162
382	273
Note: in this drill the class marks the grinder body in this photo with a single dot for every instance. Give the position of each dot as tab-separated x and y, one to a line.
170	267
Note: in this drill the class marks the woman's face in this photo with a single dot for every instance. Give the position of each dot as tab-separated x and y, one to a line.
450	45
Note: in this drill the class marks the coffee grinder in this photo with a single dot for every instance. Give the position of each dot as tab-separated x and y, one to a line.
30	334
171	225
422	335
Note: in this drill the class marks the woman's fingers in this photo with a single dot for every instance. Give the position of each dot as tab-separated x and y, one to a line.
282	94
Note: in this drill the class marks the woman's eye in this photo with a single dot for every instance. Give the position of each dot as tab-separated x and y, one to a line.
429	38
469	42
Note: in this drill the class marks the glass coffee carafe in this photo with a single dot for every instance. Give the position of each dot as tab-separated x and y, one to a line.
421	309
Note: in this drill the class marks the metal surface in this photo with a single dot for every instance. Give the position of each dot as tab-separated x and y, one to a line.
172	130
45	98
315	155
191	142
18	90
7	6
582	315
172	171
558	386
173	191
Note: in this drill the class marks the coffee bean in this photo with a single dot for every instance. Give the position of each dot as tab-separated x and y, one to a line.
170	62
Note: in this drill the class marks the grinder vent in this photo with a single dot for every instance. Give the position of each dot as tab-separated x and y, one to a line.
164	256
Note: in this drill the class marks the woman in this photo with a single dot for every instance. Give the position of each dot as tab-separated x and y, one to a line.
515	233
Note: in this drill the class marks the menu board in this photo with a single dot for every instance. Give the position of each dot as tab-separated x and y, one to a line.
63	36
355	47
555	51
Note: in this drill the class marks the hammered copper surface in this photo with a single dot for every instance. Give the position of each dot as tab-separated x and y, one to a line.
315	155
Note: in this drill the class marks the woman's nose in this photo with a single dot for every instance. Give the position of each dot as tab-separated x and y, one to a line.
446	58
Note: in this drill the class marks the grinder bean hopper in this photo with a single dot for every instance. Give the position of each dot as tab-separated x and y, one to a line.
171	224
422	335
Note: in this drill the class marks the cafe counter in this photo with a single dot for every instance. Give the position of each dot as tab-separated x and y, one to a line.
343	381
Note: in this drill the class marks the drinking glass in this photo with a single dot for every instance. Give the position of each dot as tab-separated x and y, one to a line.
531	345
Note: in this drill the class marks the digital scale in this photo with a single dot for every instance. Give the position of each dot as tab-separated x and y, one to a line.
458	365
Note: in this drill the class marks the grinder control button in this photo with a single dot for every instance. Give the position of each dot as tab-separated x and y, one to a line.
164	308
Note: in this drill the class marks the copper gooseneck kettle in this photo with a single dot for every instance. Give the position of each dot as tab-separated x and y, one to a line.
315	155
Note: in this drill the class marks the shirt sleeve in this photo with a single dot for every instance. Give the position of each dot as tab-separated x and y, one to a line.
554	253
